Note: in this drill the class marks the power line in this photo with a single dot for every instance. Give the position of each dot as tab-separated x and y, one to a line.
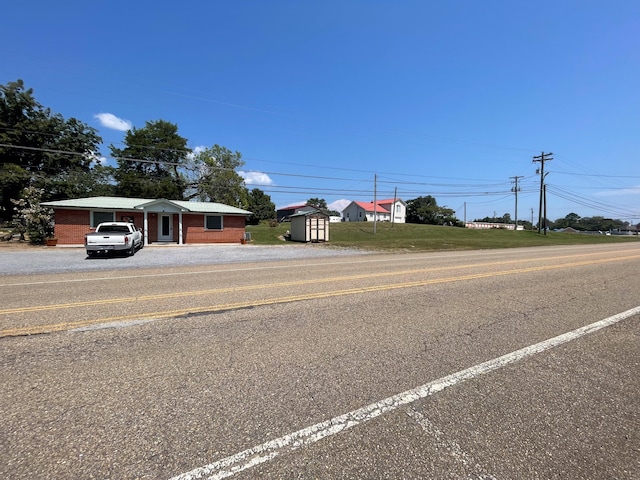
458	190
590	203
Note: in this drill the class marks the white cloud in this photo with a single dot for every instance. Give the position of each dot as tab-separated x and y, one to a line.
96	158
256	178
195	151
339	205
199	149
109	120
623	191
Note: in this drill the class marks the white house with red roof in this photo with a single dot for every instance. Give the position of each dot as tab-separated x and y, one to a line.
389	210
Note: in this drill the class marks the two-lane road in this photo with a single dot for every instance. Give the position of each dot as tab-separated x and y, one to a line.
381	366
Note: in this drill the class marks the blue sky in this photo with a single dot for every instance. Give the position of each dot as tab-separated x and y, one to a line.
444	98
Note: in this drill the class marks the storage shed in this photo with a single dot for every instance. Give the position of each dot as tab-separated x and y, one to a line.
310	226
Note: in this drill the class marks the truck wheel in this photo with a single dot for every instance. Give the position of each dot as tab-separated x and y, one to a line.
132	251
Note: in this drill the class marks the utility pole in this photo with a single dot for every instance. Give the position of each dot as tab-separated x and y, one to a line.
393	207
545	209
375	214
516	189
531	219
543	157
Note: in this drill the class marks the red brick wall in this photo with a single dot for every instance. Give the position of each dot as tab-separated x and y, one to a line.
72	225
194	231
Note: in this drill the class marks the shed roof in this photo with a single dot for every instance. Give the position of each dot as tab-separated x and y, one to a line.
128	203
307	213
294	207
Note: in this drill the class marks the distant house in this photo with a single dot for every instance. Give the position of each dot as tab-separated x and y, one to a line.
568	230
389	210
490	225
284	213
171	221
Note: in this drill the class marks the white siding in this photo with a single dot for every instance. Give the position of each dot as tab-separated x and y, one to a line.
353	213
311	228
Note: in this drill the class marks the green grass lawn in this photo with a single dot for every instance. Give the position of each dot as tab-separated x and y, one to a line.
412	237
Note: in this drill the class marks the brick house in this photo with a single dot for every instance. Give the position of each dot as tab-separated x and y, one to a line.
170	221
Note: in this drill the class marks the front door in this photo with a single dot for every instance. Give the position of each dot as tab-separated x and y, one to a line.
165	228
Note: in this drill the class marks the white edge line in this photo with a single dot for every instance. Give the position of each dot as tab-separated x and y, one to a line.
262	453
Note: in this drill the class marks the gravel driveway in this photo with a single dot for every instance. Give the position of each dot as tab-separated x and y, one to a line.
74	259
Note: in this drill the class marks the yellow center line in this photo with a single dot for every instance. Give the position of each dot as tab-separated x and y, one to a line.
50	328
244	288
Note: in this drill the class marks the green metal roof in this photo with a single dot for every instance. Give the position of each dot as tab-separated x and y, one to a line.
127	203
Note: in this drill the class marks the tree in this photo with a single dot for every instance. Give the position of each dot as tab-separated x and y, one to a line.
41	148
261	207
215	178
571	220
506	218
150	164
422	210
602	224
96	182
426	210
319	203
31	218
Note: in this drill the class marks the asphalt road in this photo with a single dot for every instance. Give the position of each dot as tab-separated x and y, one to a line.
511	364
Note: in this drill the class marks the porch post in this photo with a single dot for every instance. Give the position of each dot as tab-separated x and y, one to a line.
146	228
180	227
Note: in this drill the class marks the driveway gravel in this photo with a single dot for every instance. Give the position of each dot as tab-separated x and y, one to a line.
74	259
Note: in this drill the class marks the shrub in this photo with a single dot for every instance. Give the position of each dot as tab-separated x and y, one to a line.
31	218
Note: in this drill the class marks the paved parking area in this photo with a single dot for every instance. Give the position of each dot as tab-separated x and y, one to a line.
74	259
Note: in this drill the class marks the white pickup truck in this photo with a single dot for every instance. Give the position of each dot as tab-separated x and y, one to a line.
114	237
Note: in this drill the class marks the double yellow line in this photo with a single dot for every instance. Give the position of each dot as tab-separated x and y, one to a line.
165	314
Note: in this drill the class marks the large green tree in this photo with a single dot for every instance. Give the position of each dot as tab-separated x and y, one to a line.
426	210
40	148
150	165
215	177
261	207
319	203
571	220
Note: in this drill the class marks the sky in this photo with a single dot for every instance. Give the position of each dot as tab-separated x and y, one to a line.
352	99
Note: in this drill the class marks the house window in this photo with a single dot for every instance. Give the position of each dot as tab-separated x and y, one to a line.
101	217
398	208
213	222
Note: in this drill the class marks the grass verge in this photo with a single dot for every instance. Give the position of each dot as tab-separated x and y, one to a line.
413	237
